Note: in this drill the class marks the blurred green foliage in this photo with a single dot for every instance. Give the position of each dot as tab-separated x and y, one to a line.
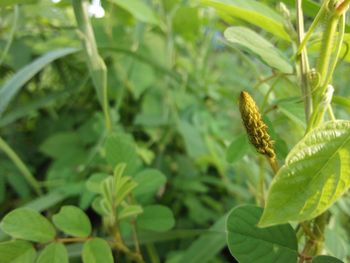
173	85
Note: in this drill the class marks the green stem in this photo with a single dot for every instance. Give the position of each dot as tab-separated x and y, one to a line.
326	54
152	253
95	63
323	68
21	166
315	22
339	44
260	197
303	59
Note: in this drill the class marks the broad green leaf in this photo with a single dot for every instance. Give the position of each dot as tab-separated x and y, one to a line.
139	9
93	184
97	250
56	145
252	12
13	86
53	253
130	210
121	150
237	149
248	243
141	77
28	224
326	259
16	2
72	221
149	181
156	218
258	45
208	245
316	173
17	251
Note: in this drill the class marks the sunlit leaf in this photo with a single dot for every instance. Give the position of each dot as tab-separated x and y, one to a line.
258	45
316	173
53	253
17	251
28	224
97	250
252	12
156	218
72	221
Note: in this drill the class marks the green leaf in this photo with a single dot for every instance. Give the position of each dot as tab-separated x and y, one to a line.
237	149
186	22
13	86
97	250
194	143
28	224
121	150
208	245
149	181
72	221
326	259
17	251
252	12
248	243
94	182
141	77
294	111
139	9
56	145
16	2
258	45
53	253
335	245
316	173
156	218
130	210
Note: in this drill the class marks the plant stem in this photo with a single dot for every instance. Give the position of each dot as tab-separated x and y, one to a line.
323	68
95	63
73	239
119	245
260	197
325	55
152	253
274	165
303	61
21	166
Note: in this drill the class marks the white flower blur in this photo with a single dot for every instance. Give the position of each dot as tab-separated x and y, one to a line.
96	9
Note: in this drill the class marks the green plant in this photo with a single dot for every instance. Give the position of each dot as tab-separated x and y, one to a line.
121	137
315	173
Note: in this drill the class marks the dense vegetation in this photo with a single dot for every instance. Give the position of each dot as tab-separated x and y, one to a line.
121	135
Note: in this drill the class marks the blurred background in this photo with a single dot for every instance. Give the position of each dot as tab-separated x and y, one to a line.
173	84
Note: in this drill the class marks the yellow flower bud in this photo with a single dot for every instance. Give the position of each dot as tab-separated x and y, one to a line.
255	126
